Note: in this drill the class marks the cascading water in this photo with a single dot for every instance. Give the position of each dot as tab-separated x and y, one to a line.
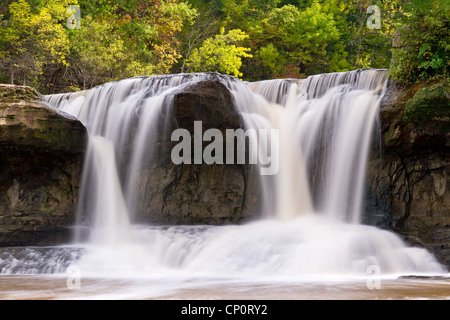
335	126
311	226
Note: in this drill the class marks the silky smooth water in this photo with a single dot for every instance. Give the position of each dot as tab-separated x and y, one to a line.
310	230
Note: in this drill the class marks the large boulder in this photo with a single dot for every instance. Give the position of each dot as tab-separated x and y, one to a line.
40	167
213	194
409	182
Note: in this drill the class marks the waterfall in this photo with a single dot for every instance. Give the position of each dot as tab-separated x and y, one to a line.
327	122
312	206
122	119
336	125
110	213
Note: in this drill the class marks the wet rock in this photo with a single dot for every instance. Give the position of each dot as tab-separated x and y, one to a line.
196	193
409	181
41	154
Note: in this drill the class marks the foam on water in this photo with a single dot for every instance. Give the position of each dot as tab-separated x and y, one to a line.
310	228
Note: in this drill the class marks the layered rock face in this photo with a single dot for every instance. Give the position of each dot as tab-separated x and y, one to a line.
40	165
409	182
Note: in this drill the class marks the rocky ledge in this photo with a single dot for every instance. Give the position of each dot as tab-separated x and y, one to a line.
42	151
409	181
40	165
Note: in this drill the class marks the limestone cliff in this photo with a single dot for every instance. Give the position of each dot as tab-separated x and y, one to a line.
41	154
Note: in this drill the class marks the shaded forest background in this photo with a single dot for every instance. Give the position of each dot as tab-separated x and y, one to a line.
40	45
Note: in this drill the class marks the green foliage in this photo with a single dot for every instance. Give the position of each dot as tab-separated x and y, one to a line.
301	42
366	47
287	38
422	48
272	59
33	39
109	59
117	39
220	54
431	103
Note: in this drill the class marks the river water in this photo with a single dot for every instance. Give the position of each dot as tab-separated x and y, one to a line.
308	245
43	287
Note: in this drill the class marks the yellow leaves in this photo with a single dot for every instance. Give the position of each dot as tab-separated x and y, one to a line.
178	13
37	34
220	54
136	69
165	56
363	61
20	10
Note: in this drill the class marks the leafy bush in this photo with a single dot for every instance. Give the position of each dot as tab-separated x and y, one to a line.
430	104
424	43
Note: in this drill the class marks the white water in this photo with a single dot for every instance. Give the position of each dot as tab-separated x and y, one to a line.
111	219
312	209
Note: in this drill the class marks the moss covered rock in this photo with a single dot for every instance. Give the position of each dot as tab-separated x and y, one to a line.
431	103
12	93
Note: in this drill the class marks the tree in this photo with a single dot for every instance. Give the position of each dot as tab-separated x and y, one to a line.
272	60
294	42
99	54
288	38
371	47
205	26
144	34
34	40
168	18
220	54
422	48
117	39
